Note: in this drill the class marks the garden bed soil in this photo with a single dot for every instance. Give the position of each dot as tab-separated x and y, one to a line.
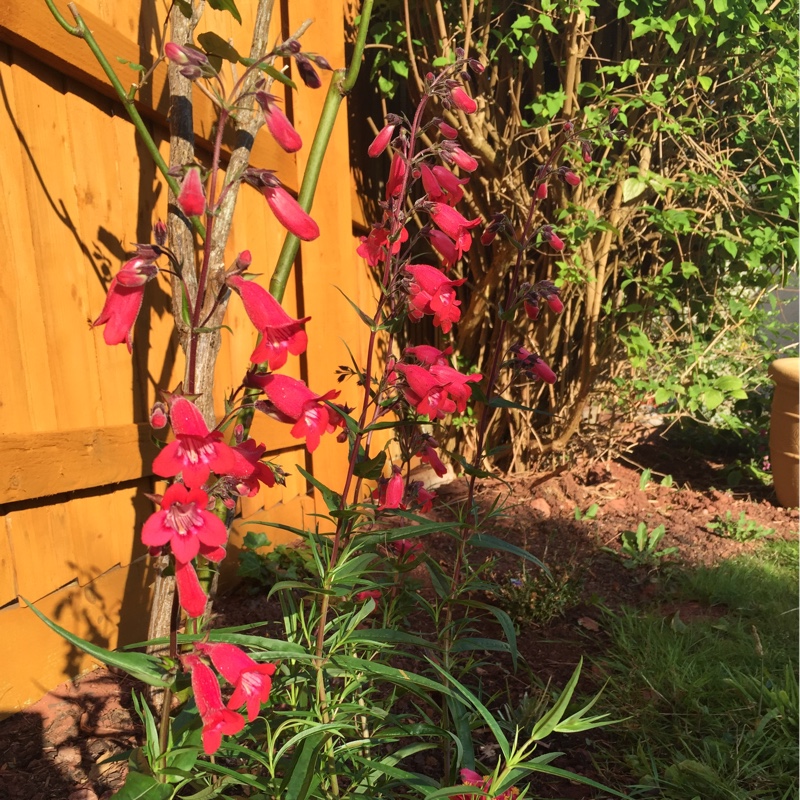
54	749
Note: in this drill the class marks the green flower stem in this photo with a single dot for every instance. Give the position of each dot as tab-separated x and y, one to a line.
341	84
82	32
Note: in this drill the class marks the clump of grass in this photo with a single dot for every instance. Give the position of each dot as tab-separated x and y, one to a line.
536	598
712	701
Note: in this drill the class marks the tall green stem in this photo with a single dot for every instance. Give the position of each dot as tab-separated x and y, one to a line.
341	84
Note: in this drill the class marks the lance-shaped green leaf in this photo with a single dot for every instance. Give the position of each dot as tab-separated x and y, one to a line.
141	666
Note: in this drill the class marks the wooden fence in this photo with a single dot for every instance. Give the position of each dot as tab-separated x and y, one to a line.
75	446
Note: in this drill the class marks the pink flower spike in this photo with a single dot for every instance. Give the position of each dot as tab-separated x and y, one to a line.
431	292
184	524
192	198
289	213
381	141
191	596
280	333
252	681
196	451
463	100
217	720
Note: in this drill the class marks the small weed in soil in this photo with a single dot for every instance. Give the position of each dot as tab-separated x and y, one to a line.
536	598
740	529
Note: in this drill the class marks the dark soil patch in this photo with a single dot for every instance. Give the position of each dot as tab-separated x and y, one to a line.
52	749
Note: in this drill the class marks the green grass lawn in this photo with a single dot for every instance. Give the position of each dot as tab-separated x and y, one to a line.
711	701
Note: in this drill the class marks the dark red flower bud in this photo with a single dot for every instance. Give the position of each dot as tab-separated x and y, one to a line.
381	141
531	309
541	191
159	416
568	127
322	62
462	100
612	115
307	72
160	233
571	178
586	152
476	66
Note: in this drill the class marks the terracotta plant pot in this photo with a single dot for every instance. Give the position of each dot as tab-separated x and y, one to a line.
783	430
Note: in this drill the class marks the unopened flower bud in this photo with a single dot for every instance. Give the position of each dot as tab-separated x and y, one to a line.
307	72
429	76
381	141
571	178
549	235
568	127
191	72
238	433
531	308
488	236
542	371
586	152
184	56
160	233
554	301
541	191
476	66
448	131
612	115
462	100
159	416
321	62
192	199
460	52
463	160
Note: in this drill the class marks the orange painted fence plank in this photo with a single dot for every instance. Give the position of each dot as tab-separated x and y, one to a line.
31	27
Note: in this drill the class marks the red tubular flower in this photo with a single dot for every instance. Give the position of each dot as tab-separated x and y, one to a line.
457	385
196	451
463	160
373	247
463	100
431	185
381	141
252	453
119	313
397	172
425	499
185	56
531	309
406	549
252	681
367	594
288	212
457	227
184	524
217	720
192	198
428	455
191	596
392	496
280	333
425	393
450	184
278	123
428	354
432	292
541	191
292	401
554	301
445	246
571	178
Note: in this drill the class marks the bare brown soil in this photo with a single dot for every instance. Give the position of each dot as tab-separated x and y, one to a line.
53	749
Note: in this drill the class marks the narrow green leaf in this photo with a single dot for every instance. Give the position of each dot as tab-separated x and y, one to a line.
138	665
332	500
302	769
548	723
226	5
489	542
367	320
139	786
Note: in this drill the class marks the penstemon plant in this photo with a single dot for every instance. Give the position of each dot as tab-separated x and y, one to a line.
354	690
